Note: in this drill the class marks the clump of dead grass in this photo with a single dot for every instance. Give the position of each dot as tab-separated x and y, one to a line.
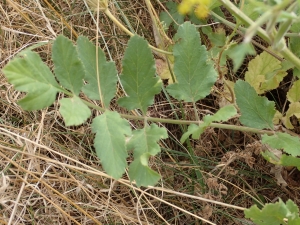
50	174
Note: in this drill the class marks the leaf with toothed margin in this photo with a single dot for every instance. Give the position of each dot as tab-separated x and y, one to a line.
28	73
74	111
138	76
274	213
194	75
288	143
256	111
144	144
67	66
111	131
100	74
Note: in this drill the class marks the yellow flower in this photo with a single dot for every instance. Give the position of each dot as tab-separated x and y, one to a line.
201	11
201	7
185	7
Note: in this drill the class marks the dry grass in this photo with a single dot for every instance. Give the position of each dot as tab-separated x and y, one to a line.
50	174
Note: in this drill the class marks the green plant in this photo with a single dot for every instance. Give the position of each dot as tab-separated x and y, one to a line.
194	68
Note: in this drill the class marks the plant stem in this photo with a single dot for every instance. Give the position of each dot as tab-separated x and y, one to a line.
245	19
123	28
185	122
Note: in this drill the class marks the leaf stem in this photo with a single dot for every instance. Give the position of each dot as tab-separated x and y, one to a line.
185	122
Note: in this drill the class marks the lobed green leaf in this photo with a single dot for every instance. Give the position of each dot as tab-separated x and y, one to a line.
111	131
144	144
138	77
288	143
274	213
28	73
256	111
67	66
194	75
264	73
141	173
74	111
102	82
288	160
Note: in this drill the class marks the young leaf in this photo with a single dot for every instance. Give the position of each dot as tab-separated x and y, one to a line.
257	111
264	73
144	145
109	142
274	213
192	129
138	78
293	94
31	75
102	83
294	110
67	66
195	77
74	111
223	114
283	141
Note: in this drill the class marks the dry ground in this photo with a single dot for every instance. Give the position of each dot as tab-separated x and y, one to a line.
50	174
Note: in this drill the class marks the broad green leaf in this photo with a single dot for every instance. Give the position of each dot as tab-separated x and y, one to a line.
223	114
288	160
144	144
274	213
264	73
288	143
256	111
28	73
145	140
294	110
138	77
195	77
111	131
167	20
142	174
293	94
102	83
67	66
74	111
